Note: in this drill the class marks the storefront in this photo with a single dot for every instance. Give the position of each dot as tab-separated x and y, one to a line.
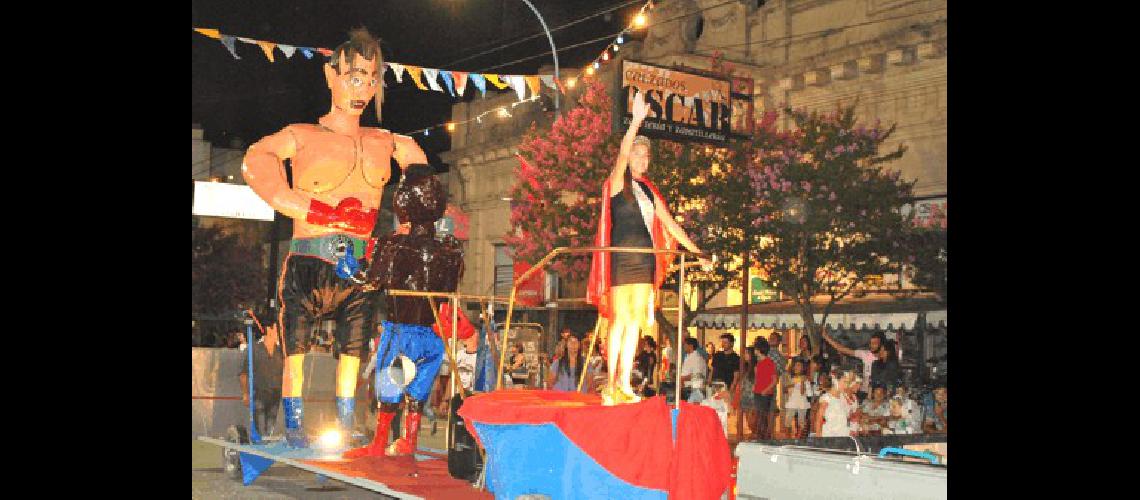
918	323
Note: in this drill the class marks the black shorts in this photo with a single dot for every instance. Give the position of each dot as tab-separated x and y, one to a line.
311	292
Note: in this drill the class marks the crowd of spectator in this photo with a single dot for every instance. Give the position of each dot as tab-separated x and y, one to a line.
783	392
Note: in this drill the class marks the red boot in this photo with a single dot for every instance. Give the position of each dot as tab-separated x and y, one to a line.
407	444
376	447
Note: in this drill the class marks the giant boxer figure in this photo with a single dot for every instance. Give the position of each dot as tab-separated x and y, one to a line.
339	172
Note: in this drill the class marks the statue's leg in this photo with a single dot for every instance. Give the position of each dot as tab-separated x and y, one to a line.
296	325
388	401
427	351
354	324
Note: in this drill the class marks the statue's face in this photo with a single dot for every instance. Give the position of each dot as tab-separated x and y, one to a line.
354	84
420	201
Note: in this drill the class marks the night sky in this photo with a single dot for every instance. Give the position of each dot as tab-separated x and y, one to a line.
251	97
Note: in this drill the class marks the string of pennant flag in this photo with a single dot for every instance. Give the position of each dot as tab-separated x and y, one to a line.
423	78
455	81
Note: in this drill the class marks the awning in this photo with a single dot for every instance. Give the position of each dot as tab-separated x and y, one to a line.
878	311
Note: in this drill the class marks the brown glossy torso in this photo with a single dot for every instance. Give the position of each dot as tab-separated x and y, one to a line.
415	262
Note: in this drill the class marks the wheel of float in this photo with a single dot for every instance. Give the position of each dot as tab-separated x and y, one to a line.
231	462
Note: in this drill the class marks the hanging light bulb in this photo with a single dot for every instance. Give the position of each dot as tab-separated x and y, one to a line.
640	20
606	55
615	48
570	82
590	70
427	132
620	39
597	65
450	126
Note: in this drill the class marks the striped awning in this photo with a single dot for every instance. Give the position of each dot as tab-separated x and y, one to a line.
888	321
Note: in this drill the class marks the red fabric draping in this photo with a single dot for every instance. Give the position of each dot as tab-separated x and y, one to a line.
465	329
633	441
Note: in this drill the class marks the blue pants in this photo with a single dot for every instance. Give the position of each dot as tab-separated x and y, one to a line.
420	344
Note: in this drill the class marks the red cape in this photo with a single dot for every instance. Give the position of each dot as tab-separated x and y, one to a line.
598	285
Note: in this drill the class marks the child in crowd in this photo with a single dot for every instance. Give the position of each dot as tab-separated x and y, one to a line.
719	403
797	389
876	411
934	412
823	385
834	411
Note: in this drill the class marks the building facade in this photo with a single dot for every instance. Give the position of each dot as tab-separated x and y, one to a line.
888	56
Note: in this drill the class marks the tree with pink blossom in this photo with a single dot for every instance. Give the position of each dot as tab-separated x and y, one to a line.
826	210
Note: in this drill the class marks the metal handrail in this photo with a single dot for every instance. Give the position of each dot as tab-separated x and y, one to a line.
570	250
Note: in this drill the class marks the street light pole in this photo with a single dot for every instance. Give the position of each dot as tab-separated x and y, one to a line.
553	51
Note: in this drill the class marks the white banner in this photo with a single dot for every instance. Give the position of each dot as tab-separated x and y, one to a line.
218	199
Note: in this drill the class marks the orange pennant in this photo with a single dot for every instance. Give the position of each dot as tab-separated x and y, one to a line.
267	47
533	83
494	79
415	71
212	33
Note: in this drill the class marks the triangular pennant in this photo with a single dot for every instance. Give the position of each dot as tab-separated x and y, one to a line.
287	49
228	41
397	71
252	466
324	52
519	84
548	80
212	33
430	75
308	52
267	47
494	79
480	83
460	81
415	72
447	81
535	86
247	40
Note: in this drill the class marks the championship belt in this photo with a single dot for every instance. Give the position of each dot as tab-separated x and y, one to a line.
329	248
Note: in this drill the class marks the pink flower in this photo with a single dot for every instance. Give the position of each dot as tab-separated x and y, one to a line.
832	196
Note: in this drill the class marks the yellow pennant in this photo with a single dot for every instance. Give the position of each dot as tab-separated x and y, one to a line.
494	79
415	71
212	33
267	47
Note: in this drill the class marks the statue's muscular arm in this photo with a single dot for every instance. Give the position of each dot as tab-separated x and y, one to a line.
264	171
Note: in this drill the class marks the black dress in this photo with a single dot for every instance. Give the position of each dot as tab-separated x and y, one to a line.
627	229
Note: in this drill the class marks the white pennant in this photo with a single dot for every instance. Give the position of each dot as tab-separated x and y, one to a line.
287	49
397	71
247	40
430	75
519	84
548	80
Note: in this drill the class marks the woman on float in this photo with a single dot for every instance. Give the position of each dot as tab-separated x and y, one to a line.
623	285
